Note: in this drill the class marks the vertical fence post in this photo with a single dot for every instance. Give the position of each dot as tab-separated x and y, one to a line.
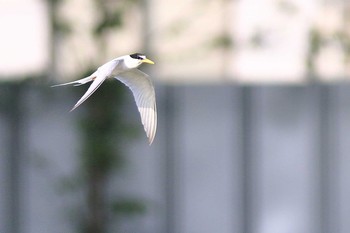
324	134
247	151
14	119
170	161
146	36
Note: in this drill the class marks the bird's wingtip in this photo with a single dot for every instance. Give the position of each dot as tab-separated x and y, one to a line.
150	140
73	109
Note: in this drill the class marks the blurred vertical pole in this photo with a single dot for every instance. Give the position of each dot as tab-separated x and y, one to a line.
146	27
324	135
170	161
14	115
247	152
52	65
323	163
226	21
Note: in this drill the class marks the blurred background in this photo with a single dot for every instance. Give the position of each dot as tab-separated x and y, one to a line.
253	101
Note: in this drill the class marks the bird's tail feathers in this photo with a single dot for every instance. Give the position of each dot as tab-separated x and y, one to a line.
78	82
64	84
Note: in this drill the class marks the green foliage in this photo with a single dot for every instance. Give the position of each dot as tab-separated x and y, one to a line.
62	27
6	97
58	24
100	128
128	207
344	40
316	42
112	14
109	22
55	2
222	41
103	129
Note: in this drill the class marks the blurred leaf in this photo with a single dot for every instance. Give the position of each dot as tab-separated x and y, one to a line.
109	22
8	94
62	27
222	41
55	2
316	41
128	207
344	40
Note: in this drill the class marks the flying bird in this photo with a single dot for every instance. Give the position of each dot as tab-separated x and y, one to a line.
124	69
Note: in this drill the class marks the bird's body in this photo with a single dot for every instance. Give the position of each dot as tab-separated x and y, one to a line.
124	69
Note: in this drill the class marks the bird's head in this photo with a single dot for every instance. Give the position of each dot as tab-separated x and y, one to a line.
136	59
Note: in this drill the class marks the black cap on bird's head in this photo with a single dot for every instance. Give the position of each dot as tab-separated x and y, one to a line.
141	57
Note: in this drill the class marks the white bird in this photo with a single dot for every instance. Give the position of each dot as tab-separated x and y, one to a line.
124	69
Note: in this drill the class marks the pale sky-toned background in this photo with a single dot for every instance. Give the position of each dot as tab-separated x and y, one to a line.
182	39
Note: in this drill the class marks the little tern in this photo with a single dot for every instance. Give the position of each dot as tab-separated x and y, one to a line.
124	69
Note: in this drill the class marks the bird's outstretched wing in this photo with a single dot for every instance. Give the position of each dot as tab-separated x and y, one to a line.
97	81
93	87
98	77
143	91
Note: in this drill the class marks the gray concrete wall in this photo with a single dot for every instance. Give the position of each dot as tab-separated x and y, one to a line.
245	159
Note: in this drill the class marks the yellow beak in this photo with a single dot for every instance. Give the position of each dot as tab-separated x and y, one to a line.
146	60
